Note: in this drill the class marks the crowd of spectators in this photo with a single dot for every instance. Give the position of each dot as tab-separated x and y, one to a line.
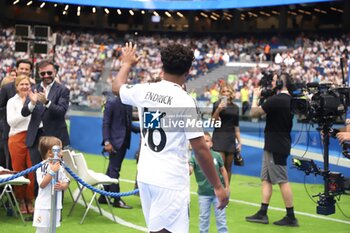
82	57
81	61
7	51
305	59
209	53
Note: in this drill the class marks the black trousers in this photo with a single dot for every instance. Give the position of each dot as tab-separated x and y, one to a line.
114	167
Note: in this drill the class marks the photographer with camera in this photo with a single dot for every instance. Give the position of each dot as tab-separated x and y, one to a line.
279	122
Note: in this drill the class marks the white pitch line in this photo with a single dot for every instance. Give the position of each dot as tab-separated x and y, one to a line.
272	208
283	210
140	228
108	215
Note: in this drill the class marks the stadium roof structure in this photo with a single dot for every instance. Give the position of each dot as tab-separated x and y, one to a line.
184	4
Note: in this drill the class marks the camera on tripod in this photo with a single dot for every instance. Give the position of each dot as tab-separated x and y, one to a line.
322	104
327	103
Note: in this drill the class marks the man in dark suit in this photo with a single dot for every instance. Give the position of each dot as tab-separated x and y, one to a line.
24	67
47	104
116	129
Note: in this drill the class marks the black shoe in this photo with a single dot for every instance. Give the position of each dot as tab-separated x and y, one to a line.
258	218
121	204
102	200
287	221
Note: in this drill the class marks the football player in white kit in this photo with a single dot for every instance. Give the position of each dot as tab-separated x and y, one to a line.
164	111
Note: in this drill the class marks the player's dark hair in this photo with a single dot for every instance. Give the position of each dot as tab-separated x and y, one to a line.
177	59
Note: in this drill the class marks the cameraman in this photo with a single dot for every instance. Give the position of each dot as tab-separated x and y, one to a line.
279	122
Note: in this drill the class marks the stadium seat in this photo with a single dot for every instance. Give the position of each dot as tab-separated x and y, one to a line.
94	179
69	161
8	192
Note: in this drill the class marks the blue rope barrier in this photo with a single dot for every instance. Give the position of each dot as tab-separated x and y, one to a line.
22	173
102	192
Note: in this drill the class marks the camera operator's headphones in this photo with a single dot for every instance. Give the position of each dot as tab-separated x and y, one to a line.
279	82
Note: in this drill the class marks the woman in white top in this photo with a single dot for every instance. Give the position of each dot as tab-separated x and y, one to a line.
18	149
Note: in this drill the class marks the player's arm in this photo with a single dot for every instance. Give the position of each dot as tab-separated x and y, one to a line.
225	175
205	161
128	60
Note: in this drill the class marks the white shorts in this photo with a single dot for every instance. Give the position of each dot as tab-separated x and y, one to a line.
165	208
41	218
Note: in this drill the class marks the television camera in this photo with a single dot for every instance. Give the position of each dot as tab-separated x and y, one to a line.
266	86
319	103
322	104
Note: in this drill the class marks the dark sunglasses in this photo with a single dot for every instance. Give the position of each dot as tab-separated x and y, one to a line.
49	73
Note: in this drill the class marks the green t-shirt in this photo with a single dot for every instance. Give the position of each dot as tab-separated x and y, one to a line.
204	187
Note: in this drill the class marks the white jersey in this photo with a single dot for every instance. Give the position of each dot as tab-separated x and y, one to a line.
43	200
162	107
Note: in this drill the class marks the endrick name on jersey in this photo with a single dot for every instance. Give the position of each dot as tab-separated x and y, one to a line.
164	99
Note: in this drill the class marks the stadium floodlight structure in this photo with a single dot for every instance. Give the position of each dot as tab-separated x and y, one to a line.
184	4
34	40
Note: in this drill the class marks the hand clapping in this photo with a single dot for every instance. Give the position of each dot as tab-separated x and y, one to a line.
33	96
42	97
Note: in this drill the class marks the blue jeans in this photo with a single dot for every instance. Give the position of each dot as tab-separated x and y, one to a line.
205	203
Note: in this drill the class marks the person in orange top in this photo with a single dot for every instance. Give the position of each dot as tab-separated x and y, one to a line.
267	52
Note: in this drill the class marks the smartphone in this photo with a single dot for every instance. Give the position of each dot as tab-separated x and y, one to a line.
224	100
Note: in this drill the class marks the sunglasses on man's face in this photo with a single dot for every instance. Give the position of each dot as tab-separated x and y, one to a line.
49	73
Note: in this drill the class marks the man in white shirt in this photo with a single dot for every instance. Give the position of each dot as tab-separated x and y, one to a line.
163	171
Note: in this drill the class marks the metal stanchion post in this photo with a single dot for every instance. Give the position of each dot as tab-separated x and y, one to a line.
53	216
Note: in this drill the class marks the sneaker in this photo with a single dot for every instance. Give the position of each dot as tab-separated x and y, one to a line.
258	218
287	221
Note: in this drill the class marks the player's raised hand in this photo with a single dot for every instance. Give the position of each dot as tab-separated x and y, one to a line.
129	54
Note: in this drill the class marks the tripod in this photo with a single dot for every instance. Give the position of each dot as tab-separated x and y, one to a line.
326	202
